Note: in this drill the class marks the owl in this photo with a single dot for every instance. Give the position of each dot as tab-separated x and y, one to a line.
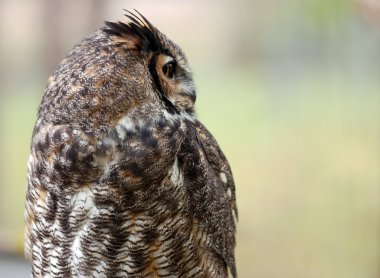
123	179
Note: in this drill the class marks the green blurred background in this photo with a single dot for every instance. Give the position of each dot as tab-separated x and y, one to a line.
291	91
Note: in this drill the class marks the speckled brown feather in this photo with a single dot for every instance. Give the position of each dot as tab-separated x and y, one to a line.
123	180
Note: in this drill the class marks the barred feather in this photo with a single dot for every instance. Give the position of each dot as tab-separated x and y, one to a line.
119	185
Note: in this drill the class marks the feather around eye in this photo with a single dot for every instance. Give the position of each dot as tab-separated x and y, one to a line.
168	69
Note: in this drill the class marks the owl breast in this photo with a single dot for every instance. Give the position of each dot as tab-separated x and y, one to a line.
151	208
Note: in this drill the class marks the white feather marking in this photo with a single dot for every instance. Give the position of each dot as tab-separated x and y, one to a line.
83	204
170	117
76	252
83	199
223	177
107	142
125	124
134	238
229	193
234	215
182	116
83	143
176	176
186	116
30	162
64	136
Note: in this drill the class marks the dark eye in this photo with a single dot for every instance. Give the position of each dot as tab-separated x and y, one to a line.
168	69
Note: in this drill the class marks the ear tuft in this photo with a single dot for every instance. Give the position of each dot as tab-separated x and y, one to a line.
139	32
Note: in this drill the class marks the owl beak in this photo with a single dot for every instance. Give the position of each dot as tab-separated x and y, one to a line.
191	94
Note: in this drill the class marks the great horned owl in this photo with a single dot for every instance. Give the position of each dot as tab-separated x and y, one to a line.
123	180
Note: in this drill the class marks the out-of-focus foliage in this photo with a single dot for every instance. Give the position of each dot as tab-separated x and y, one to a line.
290	89
325	13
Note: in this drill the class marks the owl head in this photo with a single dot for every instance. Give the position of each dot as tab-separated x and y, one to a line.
121	66
167	64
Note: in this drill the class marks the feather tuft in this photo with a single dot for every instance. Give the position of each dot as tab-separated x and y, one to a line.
139	28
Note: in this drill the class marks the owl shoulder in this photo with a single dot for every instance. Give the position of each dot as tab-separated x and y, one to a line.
67	155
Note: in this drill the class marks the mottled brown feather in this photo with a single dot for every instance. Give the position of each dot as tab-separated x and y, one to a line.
123	180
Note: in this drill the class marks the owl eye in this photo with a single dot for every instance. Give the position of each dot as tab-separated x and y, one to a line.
168	69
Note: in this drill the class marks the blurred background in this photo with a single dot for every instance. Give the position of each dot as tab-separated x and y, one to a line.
291	91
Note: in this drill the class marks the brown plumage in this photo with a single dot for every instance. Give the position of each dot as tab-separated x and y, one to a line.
123	180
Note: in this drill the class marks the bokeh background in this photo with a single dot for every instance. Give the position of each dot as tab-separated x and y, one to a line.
291	91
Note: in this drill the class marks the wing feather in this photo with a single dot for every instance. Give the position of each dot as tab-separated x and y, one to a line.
211	190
